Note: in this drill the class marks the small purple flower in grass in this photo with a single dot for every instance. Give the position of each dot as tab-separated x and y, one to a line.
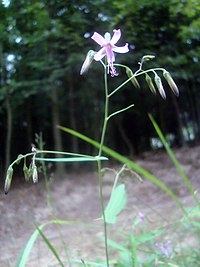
166	248
108	48
141	216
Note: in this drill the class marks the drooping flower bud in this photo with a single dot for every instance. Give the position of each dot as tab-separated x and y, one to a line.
150	83
159	85
8	180
20	156
26	172
34	173
134	81
171	82
148	57
88	60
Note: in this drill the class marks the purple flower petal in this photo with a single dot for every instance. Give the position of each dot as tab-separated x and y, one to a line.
100	54
116	37
122	49
110	55
99	39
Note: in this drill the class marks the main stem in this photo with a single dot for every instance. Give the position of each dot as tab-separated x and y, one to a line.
99	163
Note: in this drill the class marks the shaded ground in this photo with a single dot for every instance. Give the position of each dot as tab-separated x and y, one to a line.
75	198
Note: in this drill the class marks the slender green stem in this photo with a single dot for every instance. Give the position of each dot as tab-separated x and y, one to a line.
120	111
49	152
99	163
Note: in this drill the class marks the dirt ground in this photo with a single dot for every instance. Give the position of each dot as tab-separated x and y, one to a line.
76	198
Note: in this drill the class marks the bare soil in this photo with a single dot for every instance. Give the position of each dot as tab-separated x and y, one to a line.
75	198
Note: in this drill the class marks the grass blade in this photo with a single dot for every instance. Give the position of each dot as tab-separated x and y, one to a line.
72	159
173	158
50	246
23	258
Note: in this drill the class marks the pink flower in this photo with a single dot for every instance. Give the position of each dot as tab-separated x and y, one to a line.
108	48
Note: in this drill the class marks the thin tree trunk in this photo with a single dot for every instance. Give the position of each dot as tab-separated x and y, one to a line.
181	140
9	113
29	124
72	115
8	134
56	132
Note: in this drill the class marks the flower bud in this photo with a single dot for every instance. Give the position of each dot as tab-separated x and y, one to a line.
159	85
88	60
20	156
134	81
26	172
150	83
34	173
171	82
8	180
148	57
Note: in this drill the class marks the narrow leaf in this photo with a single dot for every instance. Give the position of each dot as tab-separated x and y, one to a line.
72	159
50	246
23	258
174	159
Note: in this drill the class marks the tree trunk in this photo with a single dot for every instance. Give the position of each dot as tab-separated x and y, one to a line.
56	132
72	108
72	116
180	136
8	134
8	111
29	124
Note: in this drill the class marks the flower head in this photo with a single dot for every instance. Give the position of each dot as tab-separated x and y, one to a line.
108	48
141	216
165	248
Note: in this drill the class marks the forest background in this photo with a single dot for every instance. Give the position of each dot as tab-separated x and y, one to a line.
42	47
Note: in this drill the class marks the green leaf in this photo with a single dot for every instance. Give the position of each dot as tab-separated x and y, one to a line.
51	247
23	258
116	203
72	159
174	159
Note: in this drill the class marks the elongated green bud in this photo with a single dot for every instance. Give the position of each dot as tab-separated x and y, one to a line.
134	81
88	61
150	83
35	173
148	57
8	180
19	159
159	85
171	82
26	172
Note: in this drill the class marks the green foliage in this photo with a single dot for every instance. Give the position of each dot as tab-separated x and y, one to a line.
23	258
116	204
174	159
50	246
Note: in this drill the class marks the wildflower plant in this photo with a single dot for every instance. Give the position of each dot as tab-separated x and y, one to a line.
107	58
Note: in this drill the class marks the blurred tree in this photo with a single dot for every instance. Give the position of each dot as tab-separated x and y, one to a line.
170	31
